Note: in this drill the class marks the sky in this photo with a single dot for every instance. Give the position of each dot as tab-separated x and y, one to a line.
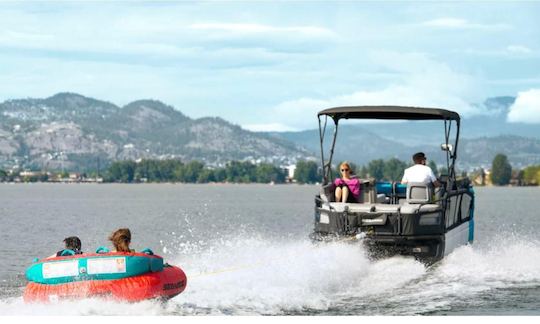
273	65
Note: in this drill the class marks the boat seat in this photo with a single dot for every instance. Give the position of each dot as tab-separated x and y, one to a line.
383	208
416	208
419	193
387	208
368	191
365	208
327	192
352	207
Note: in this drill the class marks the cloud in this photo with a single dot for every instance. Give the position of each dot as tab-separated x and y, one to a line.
13	37
276	38
270	127
155	42
311	31
510	51
458	23
519	49
526	108
265	65
422	82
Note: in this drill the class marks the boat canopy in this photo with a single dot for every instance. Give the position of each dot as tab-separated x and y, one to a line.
389	112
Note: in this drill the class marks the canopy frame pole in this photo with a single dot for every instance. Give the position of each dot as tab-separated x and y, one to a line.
327	165
322	131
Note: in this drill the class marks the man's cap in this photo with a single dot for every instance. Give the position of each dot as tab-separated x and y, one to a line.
420	156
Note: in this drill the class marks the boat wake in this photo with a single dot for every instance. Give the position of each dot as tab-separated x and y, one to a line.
257	275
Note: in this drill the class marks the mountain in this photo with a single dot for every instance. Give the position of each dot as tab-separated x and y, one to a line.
521	151
489	124
353	143
70	131
73	132
361	146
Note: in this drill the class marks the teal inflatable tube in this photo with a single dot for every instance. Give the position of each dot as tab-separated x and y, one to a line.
106	266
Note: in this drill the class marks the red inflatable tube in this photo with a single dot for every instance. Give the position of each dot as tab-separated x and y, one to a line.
165	284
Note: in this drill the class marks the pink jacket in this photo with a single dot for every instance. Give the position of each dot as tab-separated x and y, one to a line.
353	184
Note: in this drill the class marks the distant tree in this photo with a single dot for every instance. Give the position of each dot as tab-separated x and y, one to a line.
3	175
393	169
128	171
517	176
167	168
531	175
501	170
240	172
443	171
306	172
43	177
121	171
433	167
178	173
220	175
375	169
267	172
363	172
192	171
142	170
152	170
205	176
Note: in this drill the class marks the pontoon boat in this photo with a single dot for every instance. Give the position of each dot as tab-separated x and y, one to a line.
393	218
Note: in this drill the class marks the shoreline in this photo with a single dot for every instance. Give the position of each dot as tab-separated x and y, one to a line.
160	183
205	183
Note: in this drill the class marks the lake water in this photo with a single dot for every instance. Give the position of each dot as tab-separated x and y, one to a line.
245	250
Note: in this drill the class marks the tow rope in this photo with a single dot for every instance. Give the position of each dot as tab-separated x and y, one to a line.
262	263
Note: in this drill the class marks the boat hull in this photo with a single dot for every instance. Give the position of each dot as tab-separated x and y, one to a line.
425	248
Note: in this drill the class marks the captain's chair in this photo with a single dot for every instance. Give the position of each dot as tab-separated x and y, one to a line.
419	193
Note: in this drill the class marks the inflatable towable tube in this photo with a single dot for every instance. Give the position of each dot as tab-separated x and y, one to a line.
123	276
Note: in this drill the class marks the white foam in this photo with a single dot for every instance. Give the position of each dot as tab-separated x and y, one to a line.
91	306
269	276
276	277
471	272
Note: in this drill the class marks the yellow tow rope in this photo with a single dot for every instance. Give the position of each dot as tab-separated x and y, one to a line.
242	267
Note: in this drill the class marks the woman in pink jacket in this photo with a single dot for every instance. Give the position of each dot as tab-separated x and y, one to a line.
348	186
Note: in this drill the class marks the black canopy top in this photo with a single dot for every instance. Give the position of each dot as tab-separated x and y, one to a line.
389	112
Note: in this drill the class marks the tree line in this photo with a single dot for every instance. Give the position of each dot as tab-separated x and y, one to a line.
129	171
247	172
192	172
